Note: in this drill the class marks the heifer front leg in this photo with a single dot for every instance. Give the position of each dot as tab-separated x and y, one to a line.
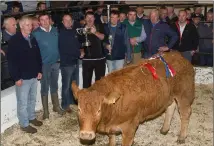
168	117
128	136
112	140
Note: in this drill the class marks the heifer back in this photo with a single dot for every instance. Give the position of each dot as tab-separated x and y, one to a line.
142	97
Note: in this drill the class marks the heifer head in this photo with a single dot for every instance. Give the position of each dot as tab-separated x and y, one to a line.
90	109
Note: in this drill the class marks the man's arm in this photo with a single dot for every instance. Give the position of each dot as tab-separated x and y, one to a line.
106	35
100	35
39	57
173	37
142	36
195	38
12	58
128	46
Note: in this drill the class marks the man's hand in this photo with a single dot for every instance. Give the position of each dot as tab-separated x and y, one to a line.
93	30
82	53
192	52
39	76
19	83
163	49
108	47
133	41
2	52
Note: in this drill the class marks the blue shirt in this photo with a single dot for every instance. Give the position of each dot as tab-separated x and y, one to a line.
48	45
28	39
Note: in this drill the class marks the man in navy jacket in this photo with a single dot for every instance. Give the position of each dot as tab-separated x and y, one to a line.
160	36
25	66
69	50
118	47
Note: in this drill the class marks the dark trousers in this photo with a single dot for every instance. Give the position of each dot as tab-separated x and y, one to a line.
206	59
88	66
69	74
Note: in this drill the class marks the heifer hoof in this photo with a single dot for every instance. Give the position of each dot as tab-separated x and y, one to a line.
164	132
181	141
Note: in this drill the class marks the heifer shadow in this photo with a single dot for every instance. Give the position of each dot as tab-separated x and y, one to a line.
87	142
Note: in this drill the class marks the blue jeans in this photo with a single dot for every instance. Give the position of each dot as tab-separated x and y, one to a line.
49	79
115	65
69	74
26	101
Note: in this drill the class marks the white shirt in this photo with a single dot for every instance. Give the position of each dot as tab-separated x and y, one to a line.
45	29
140	16
182	28
132	23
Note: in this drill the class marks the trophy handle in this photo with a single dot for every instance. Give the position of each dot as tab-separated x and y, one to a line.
79	31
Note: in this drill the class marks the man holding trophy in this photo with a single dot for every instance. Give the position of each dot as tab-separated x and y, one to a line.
117	43
94	54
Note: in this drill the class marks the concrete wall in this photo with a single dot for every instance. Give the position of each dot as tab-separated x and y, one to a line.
8	97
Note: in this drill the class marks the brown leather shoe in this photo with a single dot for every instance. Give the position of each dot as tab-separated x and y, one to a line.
36	122
68	110
29	129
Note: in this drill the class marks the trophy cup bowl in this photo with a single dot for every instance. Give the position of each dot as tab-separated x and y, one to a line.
85	32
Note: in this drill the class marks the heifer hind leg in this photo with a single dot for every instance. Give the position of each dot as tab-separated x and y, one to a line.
168	117
185	110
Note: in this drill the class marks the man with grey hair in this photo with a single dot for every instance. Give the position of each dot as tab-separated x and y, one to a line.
9	25
9	29
25	66
162	37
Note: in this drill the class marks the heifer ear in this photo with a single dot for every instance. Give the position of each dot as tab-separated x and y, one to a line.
112	98
75	89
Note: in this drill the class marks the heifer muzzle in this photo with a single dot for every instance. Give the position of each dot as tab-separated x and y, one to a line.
87	135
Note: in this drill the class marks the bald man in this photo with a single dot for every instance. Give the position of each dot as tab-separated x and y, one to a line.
9	25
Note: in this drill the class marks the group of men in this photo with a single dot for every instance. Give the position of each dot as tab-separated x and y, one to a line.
41	54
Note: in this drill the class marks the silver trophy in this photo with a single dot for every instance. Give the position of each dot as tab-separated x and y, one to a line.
110	42
84	31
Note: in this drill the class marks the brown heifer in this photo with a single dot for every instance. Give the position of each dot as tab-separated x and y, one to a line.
119	102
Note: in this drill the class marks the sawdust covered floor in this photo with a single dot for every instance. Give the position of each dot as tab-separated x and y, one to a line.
63	131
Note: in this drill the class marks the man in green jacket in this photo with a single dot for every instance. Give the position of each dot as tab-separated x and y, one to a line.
136	34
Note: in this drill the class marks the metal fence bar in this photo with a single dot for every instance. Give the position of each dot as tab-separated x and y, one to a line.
77	8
